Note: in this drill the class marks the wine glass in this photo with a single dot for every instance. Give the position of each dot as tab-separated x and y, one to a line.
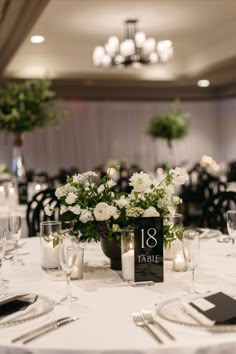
2	254
14	225
67	257
231	226
191	246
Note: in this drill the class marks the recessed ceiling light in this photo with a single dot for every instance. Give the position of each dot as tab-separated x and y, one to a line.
37	39
203	83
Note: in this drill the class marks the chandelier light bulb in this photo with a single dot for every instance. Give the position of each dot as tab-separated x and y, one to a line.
134	50
127	47
106	60
114	42
149	45
203	83
98	54
139	39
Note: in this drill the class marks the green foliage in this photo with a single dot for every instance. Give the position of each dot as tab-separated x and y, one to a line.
173	125
25	106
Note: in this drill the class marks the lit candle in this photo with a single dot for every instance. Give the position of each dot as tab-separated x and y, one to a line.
49	255
179	263
128	265
2	192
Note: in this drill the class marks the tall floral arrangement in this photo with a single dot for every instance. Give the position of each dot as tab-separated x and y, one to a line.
95	209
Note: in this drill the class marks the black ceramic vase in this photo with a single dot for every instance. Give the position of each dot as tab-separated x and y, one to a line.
112	249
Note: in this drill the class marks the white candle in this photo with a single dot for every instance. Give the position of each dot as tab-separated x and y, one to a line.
179	263
128	265
49	255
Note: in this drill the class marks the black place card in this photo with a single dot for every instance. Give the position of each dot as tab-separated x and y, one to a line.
22	192
218	307
148	250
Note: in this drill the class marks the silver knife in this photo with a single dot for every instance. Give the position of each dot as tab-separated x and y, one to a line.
27	337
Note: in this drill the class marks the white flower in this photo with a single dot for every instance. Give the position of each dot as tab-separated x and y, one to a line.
134	212
60	192
113	211
85	216
151	212
48	211
75	209
171	209
179	176
76	178
140	181
71	198
100	189
111	183
103	211
63	209
122	202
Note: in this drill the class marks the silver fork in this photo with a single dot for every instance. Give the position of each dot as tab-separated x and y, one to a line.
139	321
147	316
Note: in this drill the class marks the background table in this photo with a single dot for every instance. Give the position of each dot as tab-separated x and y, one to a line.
106	304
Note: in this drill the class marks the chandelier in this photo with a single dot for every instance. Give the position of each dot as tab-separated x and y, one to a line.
136	49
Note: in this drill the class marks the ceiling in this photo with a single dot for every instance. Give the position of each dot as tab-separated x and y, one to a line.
203	33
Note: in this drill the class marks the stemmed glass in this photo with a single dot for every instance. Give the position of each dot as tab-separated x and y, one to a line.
14	225
67	257
231	226
2	254
191	246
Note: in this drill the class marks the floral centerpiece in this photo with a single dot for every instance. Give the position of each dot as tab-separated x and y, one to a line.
4	173
96	210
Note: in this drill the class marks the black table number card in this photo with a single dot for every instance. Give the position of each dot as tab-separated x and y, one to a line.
148	250
22	192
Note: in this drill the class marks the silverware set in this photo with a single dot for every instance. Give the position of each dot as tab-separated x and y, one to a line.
146	320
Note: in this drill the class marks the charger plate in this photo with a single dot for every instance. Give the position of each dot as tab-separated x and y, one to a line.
40	305
177	310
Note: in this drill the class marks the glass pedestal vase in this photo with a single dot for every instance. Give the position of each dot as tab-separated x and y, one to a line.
18	164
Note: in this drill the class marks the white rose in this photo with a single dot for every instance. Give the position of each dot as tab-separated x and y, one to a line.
63	209
151	212
140	181
179	176
85	216
60	192
102	211
71	198
100	189
48	210
75	209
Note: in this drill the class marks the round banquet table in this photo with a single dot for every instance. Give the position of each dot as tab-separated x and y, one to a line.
106	303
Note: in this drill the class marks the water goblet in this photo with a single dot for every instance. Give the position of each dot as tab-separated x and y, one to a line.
67	255
191	247
2	253
231	227
14	225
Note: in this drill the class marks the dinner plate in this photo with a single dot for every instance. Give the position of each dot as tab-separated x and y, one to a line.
176	310
39	305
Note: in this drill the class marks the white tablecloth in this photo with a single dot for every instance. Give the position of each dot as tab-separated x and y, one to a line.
106	304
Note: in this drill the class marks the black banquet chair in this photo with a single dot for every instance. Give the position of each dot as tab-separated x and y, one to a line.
215	210
35	210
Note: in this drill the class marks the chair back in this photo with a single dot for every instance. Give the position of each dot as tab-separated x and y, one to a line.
215	210
35	210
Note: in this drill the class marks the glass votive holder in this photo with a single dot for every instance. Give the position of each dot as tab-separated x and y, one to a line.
127	254
179	263
50	234
174	223
78	270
